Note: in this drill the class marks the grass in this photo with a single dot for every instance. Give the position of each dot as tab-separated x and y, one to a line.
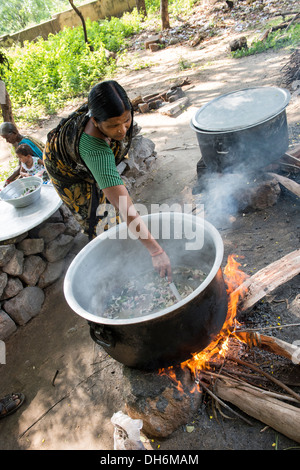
275	40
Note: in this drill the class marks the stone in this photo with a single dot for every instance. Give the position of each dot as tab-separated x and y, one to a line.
15	266
144	108
155	104
155	398
154	47
58	248
72	227
25	305
3	282
31	246
15	240
141	148
239	43
7	325
56	217
51	274
6	253
50	231
121	167
13	287
34	266
65	211
173	109
151	40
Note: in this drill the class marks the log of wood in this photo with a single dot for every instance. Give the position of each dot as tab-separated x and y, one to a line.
295	152
271	344
268	279
289	158
280	416
287	183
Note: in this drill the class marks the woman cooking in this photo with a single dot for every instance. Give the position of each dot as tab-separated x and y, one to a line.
81	158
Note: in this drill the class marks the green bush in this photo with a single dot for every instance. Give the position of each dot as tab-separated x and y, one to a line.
45	73
275	40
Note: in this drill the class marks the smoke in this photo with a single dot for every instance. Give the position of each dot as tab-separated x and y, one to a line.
223	196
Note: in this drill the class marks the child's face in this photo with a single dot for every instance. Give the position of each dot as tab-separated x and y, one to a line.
25	158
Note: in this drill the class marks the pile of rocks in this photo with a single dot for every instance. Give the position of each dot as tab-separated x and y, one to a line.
31	262
139	159
163	101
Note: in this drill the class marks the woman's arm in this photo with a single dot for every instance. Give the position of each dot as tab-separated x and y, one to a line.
118	196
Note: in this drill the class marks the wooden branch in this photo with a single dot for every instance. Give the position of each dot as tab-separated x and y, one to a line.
78	12
280	416
293	21
222	403
271	344
266	374
286	13
268	279
288	157
287	183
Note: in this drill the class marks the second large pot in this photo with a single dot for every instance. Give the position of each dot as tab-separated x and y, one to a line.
169	336
243	130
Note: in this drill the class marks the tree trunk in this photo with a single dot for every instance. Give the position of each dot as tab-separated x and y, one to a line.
83	23
164	12
141	6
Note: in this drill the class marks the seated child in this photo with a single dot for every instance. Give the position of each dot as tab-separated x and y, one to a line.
29	164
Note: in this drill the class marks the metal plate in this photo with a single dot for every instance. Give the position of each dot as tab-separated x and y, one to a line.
241	109
15	221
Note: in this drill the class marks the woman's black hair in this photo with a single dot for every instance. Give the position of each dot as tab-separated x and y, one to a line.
108	99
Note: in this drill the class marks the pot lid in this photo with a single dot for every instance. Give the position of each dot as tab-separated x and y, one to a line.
241	109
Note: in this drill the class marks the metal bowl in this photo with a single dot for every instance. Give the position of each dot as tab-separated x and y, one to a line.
14	193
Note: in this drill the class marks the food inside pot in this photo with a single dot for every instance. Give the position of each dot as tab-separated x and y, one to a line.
147	293
26	191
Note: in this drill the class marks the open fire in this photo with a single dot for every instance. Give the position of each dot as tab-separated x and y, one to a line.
234	279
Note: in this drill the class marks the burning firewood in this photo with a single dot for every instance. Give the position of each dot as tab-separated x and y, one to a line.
271	344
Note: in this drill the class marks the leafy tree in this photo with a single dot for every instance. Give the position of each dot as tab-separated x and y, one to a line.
18	14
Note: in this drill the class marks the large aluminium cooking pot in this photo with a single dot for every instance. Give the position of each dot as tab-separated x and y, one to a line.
243	130
171	335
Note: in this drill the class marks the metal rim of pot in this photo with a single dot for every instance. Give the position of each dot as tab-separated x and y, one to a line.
76	307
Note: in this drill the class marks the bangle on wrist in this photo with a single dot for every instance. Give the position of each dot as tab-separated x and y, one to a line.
158	252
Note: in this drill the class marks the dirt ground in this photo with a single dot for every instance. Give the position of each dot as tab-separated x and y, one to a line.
73	387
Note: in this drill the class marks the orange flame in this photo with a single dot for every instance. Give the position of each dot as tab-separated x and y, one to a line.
234	279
